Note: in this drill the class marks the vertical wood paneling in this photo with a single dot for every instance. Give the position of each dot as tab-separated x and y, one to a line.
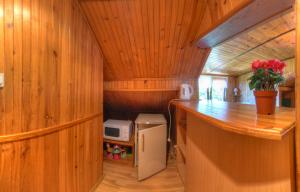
297	88
53	70
125	99
145	39
148	39
218	160
208	14
231	84
1	62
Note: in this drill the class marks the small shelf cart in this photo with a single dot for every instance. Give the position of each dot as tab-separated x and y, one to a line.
130	144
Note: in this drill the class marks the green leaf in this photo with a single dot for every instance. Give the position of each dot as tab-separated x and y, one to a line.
258	85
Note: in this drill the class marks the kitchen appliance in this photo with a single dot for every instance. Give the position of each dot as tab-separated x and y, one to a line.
1	80
236	91
186	91
119	130
151	144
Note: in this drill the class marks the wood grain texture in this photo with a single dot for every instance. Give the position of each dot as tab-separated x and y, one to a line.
148	39
45	131
210	14
274	38
53	70
231	84
142	95
297	88
254	12
181	131
242	119
120	178
144	39
223	161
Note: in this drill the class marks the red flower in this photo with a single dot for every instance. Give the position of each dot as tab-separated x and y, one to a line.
276	65
264	80
256	65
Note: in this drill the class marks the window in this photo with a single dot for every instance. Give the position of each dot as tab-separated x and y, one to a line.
204	84
212	88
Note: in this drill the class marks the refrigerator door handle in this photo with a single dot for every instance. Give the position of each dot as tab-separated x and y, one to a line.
143	143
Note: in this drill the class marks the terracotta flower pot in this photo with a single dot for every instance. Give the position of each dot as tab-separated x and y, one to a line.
265	102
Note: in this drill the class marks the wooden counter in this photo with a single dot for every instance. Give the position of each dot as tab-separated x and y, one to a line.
241	118
224	147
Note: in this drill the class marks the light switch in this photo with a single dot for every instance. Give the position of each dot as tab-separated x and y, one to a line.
1	80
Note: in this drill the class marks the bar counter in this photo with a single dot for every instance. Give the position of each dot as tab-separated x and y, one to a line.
242	118
227	147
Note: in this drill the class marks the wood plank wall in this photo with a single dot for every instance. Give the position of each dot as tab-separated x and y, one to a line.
142	95
297	88
146	39
231	84
151	84
222	161
208	14
51	105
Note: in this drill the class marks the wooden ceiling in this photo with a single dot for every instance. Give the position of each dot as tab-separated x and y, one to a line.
151	39
274	38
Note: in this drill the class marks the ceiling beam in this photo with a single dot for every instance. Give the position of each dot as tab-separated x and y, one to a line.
251	15
204	59
253	48
198	13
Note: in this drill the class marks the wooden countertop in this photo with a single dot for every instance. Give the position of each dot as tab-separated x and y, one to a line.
242	118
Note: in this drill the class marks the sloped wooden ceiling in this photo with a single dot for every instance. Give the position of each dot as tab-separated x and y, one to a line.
144	39
274	38
149	38
150	41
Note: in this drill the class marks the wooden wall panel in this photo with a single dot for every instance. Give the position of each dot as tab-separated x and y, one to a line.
245	92
218	160
125	99
148	39
159	84
53	70
297	88
208	14
231	84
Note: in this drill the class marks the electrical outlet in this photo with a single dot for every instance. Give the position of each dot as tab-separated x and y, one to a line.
1	80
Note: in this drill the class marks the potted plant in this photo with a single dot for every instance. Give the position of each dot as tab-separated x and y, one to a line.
267	75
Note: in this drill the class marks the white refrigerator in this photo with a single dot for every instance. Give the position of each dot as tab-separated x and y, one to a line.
151	144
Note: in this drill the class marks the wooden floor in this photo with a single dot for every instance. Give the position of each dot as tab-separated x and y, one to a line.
122	178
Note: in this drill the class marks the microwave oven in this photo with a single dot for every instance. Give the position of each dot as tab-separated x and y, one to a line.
119	130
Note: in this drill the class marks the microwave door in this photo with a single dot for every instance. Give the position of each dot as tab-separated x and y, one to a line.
111	132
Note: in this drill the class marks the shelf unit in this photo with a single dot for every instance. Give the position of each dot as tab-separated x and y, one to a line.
130	143
181	142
